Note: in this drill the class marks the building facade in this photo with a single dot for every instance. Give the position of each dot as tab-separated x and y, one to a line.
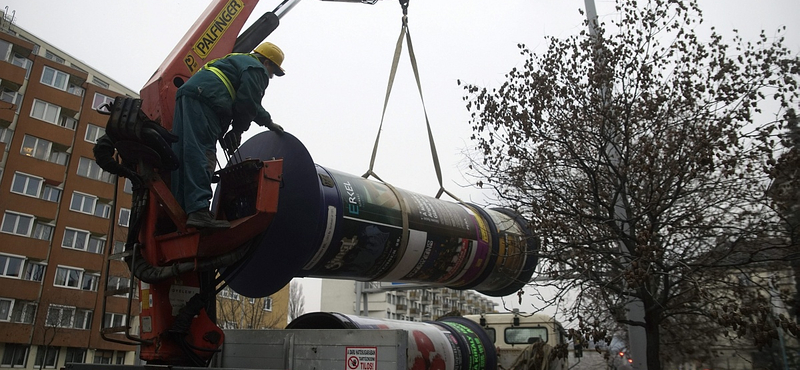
63	219
399	302
235	311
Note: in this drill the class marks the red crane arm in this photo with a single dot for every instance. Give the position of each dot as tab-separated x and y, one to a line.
212	36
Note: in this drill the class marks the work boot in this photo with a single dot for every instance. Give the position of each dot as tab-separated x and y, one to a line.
204	219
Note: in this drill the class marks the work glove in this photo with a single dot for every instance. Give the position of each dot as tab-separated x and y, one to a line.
272	126
268	123
231	141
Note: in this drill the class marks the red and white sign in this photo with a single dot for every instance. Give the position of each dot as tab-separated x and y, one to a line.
361	358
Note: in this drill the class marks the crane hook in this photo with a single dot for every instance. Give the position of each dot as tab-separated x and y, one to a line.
404	5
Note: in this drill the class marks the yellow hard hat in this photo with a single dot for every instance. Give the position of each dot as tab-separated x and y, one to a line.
273	53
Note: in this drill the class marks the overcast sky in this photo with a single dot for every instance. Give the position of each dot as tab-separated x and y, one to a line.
338	57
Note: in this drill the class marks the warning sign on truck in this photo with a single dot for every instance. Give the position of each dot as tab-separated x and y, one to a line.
361	358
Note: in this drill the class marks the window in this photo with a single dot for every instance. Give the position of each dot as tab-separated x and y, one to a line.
6	305
35	147
17	223
100	99
43	230
99	82
11	266
68	122
75	239
58	155
119	247
268	304
83	319
10	96
492	334
60	316
83	203
68	277
75	355
45	111
26	184
93	132
46	357
113	320
226	325
34	271
54	78
90	282
14	355
116	282
44	150
5	49
51	193
23	312
96	244
5	135
124	217
120	358
103	356
75	90
525	335
68	317
21	61
128	188
229	294
54	57
89	168
102	209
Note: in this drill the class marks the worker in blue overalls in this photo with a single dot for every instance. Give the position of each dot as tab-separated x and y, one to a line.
226	92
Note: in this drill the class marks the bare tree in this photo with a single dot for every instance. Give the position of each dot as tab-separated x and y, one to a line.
641	156
239	312
296	300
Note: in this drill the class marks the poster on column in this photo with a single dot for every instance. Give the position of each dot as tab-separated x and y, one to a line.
371	230
452	244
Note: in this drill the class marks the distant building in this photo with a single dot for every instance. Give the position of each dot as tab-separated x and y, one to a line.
59	223
399	302
235	311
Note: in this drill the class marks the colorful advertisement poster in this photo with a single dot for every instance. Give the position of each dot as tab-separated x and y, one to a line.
371	230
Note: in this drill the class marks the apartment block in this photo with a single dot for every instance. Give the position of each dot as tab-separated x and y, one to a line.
63	220
399	302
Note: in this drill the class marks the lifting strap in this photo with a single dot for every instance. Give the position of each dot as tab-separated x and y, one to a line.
405	33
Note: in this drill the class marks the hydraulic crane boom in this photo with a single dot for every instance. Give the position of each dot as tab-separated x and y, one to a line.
177	266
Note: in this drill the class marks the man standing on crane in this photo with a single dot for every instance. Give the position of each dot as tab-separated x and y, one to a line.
226	92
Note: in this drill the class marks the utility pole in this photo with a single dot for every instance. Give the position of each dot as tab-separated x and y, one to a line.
637	336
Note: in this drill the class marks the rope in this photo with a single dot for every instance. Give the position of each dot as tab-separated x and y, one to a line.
406	34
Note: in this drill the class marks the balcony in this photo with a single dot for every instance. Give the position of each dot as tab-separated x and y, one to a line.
401	307
7	111
413	295
413	311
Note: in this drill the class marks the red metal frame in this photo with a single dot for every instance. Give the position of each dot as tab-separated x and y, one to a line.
191	245
212	36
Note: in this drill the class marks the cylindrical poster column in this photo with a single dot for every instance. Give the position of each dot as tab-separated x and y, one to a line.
451	343
335	225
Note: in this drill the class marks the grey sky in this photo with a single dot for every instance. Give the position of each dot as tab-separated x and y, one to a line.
338	57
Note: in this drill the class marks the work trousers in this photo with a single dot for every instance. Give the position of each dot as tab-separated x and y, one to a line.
198	128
